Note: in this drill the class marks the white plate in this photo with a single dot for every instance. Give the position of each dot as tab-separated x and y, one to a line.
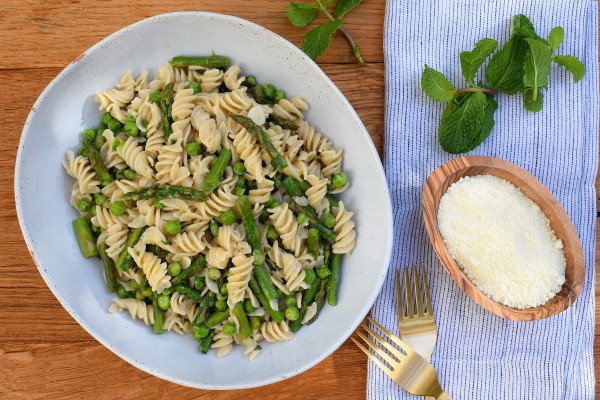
67	106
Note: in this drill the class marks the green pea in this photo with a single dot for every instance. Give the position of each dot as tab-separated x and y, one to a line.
241	182
83	205
228	217
168	291
131	129
129	174
259	257
272	233
89	134
310	277
106	118
323	271
99	141
147	292
254	322
270	90
133	283
339	179
221	297
158	204
238	168
229	329
223	289
145	125
93	211
139	295
273	204
115	144
195	86
173	227
174	269
114	125
214	273
201	331
145	285
248	307
329	220
214	228
292	313
301	218
238	191
279	95
131	118
199	282
117	208
221	305
156	97
249	81
100	199
290	301
164	301
193	148
122	292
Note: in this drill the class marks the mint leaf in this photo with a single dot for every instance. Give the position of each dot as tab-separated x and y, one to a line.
436	85
533	100
460	131
343	6
536	68
470	61
317	40
523	27
487	124
505	70
449	109
301	14
325	2
556	37
572	64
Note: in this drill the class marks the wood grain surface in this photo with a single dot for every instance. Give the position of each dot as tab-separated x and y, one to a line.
44	353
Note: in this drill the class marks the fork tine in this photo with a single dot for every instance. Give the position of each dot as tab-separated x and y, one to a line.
381	365
408	295
426	289
393	338
399	304
418	292
377	349
398	354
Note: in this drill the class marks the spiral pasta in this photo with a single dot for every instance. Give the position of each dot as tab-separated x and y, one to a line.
80	168
232	77
318	190
211	80
344	230
284	222
115	100
137	309
292	272
181	305
223	342
154	269
274	332
237	282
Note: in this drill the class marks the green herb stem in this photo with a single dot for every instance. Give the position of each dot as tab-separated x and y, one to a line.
355	48
475	89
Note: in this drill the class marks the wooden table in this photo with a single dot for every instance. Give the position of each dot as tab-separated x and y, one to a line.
44	353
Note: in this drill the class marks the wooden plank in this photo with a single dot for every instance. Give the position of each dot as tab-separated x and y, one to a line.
65	29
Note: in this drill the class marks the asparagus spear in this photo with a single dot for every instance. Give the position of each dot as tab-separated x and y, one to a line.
195	267
96	161
324	231
189	292
313	242
264	282
283	122
85	237
291	186
250	226
304	186
109	268
213	61
276	315
307	299
320	299
332	284
217	317
207	342
238	311
166	101
159	315
277	160
203	308
216	171
166	192
125	259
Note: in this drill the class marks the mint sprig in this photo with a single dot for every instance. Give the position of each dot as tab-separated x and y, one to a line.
317	40
522	65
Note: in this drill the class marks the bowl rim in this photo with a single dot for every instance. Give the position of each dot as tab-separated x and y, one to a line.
371	147
429	200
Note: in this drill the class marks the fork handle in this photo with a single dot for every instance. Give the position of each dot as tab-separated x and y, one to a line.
444	396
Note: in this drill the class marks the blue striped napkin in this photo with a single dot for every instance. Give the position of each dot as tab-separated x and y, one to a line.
479	355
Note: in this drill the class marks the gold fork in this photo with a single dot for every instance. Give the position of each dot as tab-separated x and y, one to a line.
417	329
407	368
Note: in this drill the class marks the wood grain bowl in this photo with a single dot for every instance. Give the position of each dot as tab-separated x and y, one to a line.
436	185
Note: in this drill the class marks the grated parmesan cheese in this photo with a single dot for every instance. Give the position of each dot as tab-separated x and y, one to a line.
502	240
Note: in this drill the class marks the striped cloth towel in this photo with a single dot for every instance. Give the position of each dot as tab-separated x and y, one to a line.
479	355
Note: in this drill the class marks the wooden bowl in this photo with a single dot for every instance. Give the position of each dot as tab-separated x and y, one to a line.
436	185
